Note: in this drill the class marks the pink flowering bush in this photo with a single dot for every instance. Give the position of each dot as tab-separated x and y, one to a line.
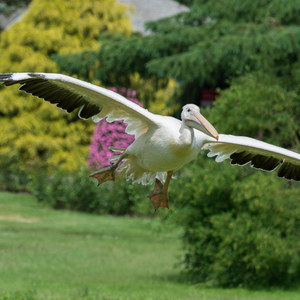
76	191
110	134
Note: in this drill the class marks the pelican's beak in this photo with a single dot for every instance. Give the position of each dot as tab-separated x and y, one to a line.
200	123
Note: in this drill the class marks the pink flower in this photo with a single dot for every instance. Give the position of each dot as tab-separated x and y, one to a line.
110	134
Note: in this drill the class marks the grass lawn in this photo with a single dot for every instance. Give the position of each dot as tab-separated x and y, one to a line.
47	254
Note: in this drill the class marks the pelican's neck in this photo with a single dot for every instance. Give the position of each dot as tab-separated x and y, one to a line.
186	136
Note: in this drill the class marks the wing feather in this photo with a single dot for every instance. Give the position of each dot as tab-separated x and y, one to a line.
243	150
69	94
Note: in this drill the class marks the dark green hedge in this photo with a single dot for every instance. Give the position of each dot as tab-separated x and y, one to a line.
76	191
241	227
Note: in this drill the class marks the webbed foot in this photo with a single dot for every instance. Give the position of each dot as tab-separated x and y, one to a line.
104	174
159	197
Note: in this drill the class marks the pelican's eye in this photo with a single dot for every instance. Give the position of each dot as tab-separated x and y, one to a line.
189	110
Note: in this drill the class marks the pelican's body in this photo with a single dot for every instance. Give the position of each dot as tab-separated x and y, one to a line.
162	144
167	147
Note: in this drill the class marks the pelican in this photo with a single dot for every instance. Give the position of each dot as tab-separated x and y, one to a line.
162	144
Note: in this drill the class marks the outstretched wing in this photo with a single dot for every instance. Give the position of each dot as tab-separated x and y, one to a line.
69	94
242	150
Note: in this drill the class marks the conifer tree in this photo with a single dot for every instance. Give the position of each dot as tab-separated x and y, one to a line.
206	48
9	6
209	45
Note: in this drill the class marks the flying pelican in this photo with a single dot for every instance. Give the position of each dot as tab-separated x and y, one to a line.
162	144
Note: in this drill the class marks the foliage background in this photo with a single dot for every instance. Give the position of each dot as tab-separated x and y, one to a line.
33	131
241	227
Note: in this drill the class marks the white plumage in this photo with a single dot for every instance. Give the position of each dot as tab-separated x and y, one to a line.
261	155
162	144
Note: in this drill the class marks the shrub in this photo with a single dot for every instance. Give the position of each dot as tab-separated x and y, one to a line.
76	191
110	134
261	107
14	175
241	227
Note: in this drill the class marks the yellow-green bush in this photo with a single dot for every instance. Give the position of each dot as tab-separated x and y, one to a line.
32	130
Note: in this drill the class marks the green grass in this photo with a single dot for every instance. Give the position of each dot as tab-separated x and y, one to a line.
47	254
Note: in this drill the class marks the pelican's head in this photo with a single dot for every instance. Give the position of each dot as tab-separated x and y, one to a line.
192	117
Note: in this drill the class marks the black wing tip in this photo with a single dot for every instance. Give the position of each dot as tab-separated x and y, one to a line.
37	84
286	170
258	161
6	77
87	111
39	75
289	171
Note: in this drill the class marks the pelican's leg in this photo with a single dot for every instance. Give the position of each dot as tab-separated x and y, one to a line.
159	195
107	173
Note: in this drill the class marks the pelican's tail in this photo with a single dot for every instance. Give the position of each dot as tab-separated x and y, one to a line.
132	171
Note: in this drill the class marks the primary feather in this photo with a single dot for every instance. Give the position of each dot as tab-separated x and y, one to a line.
69	94
243	150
